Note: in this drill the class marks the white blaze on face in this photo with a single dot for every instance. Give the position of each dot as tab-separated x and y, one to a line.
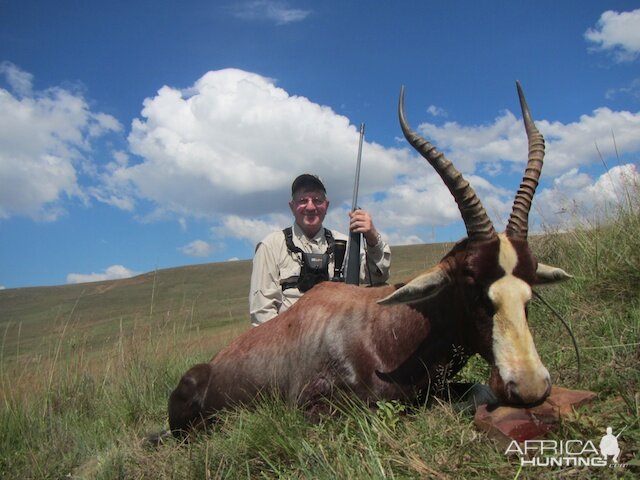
513	348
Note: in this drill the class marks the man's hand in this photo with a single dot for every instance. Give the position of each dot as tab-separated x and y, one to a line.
361	222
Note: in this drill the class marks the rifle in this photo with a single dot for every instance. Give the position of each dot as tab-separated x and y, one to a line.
352	274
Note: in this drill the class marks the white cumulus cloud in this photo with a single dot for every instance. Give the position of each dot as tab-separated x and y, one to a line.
197	248
618	33
250	229
232	143
228	147
114	272
21	82
436	111
577	198
466	146
45	138
569	145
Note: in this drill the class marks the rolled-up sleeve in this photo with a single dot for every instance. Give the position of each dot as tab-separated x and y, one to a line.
265	296
378	263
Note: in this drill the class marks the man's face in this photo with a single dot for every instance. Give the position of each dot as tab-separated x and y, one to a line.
309	208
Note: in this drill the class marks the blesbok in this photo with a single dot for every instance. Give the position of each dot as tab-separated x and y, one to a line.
396	342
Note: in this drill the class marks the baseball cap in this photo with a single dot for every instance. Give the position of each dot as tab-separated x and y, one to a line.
309	182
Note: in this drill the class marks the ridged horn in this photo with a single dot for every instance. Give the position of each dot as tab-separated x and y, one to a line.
518	226
477	222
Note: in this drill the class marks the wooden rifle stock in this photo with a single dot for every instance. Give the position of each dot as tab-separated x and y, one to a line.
352	273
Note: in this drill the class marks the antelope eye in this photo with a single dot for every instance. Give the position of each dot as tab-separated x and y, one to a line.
481	299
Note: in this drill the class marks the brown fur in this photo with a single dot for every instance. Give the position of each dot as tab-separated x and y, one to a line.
337	338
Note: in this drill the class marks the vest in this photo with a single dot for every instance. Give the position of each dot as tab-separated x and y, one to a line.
315	266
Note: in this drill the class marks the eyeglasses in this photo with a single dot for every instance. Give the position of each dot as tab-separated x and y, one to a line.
316	199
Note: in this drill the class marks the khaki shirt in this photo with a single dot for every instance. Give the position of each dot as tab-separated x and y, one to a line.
274	263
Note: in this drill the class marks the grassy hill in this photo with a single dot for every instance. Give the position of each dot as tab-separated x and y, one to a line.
202	299
85	372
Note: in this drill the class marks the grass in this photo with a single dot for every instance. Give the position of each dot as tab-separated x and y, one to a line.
85	373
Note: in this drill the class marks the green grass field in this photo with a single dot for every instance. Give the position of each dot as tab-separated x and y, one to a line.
86	370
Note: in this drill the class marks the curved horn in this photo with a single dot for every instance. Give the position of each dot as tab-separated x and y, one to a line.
476	220
518	225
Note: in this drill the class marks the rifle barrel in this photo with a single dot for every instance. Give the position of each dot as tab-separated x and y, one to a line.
352	274
356	183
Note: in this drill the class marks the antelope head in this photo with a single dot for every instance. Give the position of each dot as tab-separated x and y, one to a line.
489	275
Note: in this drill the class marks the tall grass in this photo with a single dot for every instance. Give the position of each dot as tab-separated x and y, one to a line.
58	412
70	415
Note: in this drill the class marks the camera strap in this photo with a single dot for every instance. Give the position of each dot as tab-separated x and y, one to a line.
293	282
288	237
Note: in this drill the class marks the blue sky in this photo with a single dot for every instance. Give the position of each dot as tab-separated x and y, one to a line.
151	134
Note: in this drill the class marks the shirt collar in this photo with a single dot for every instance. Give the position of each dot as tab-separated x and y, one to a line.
318	239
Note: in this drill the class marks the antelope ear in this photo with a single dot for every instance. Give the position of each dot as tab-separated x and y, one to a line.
549	274
423	287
